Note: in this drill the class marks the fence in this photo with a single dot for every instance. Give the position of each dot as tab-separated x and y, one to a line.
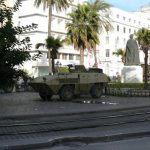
127	92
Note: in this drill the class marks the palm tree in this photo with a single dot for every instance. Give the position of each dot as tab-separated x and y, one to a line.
59	5
99	20
143	37
54	45
86	24
120	52
77	30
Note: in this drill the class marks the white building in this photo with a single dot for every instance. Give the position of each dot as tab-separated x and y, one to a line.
144	11
124	23
29	14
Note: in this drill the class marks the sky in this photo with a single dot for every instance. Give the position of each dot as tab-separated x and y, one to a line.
128	5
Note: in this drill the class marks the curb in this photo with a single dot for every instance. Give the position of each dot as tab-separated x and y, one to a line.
80	140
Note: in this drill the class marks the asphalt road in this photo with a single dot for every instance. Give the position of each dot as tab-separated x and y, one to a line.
134	144
122	137
29	103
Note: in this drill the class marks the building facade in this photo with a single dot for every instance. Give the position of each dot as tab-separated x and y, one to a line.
29	14
124	24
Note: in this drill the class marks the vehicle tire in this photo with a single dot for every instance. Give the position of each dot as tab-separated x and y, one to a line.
8	89
96	91
45	96
66	93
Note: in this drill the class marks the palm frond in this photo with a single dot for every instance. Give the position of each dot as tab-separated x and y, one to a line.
39	45
119	52
58	4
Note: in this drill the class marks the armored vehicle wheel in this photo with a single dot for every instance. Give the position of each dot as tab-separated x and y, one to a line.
66	93
8	89
96	91
44	96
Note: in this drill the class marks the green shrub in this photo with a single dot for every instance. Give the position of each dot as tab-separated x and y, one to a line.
62	70
126	85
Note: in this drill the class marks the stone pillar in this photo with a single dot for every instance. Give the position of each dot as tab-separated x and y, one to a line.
132	74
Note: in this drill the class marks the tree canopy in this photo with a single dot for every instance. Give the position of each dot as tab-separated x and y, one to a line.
58	4
13	52
53	44
143	37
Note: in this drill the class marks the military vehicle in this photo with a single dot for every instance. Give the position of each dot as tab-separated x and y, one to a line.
75	82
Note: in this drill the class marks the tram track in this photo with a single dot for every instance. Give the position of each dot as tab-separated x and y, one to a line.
45	124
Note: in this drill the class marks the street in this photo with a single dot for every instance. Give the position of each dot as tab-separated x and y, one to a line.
84	123
134	144
29	103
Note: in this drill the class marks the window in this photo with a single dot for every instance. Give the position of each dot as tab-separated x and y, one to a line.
124	18
107	52
71	56
107	39
134	21
139	22
77	57
64	56
124	30
129	30
129	19
117	27
58	56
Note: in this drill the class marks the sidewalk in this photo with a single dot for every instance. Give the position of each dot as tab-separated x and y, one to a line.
29	103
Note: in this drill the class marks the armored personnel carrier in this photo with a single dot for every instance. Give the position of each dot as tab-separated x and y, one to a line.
75	82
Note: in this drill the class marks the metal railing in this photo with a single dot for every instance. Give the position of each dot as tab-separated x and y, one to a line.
127	92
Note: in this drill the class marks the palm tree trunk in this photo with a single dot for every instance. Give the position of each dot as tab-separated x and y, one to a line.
81	56
145	67
49	19
53	65
95	57
49	34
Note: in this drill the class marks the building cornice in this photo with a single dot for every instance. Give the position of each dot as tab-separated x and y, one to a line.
43	32
32	15
42	15
125	24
